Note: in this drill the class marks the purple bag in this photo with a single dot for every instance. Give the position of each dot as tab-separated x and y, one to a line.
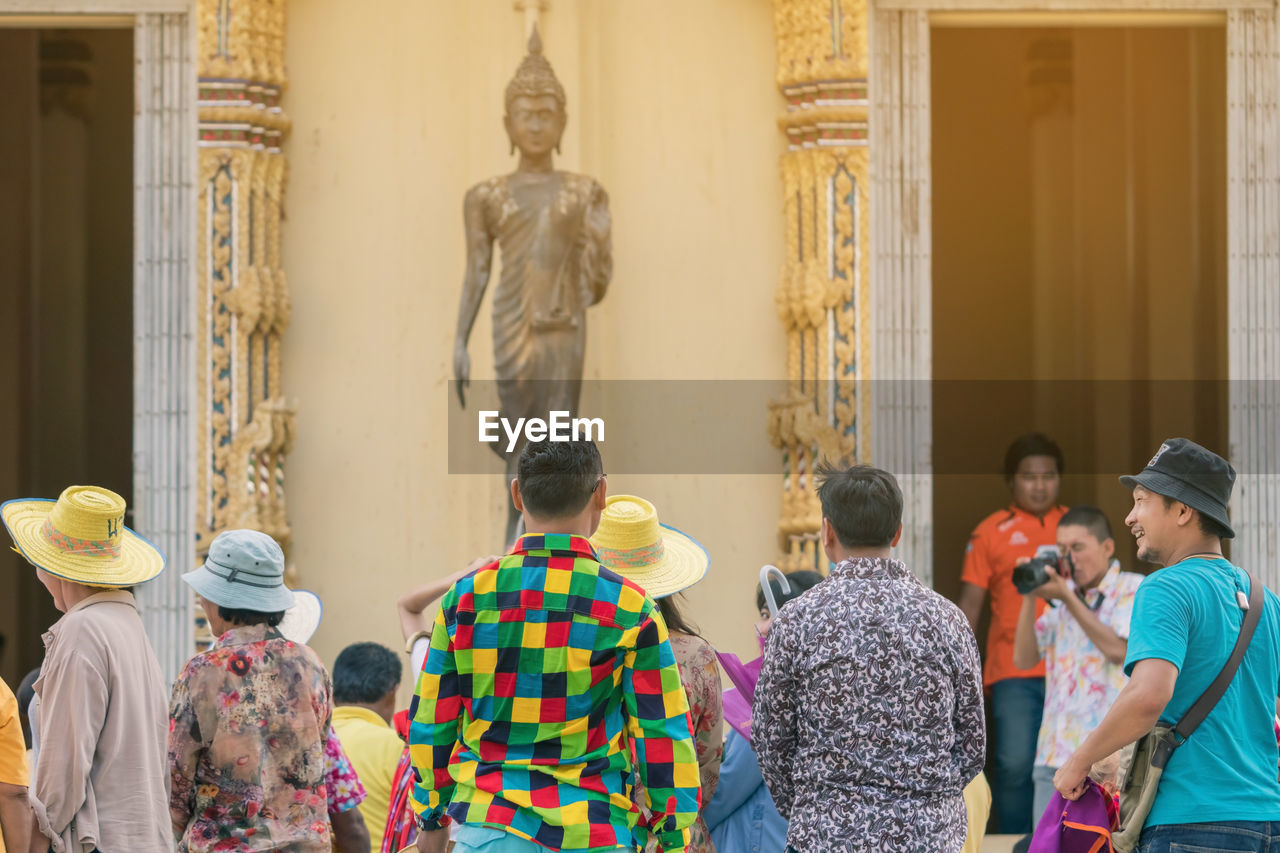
1080	826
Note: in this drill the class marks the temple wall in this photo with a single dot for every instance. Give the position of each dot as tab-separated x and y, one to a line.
396	109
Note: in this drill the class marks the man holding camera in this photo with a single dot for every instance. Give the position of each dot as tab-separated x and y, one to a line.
1032	468
1082	636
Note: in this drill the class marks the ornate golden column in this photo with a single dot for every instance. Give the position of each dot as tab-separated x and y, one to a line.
245	426
822	292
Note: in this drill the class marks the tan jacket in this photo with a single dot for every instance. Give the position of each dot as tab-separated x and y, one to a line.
102	779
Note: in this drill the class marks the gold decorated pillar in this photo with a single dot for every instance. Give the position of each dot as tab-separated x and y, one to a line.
245	426
822	290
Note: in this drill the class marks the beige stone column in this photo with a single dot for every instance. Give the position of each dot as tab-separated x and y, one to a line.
245	426
822	292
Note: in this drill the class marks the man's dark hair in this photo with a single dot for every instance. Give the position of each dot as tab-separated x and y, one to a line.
364	673
557	478
242	616
1031	444
862	503
801	580
1090	517
1208	526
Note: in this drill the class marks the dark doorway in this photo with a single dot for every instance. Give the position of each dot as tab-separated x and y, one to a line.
1079	257
66	288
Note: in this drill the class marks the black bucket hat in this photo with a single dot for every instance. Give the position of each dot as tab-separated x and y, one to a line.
1187	472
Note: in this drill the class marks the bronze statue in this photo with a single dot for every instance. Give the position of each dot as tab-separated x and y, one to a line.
553	228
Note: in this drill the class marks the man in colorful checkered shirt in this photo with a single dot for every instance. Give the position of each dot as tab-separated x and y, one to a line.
546	673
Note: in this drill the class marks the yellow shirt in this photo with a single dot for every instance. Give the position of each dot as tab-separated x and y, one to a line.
374	749
977	803
13	749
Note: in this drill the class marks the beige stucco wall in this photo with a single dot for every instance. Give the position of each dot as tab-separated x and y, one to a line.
396	110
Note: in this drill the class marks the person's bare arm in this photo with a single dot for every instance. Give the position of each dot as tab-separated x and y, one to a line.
1135	711
412	604
1026	651
39	843
970	602
349	831
15	817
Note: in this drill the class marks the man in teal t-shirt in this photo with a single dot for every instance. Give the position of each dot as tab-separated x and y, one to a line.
1220	789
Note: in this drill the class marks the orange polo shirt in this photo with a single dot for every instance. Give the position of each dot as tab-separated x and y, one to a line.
995	547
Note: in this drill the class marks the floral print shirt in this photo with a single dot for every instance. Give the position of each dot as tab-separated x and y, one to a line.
868	716
700	675
248	726
342	787
1080	683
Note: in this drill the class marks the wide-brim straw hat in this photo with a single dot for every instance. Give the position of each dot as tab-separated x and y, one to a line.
303	618
657	557
81	537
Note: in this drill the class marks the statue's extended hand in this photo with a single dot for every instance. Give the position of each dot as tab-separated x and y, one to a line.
462	372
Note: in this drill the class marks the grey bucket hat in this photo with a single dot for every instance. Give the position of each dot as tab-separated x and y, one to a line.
1187	472
244	571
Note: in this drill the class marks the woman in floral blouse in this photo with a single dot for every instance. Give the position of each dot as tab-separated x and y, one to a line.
700	675
249	720
663	561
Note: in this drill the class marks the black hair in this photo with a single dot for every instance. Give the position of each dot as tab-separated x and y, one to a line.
241	616
557	478
364	673
801	580
1208	526
1089	517
1030	444
674	618
862	503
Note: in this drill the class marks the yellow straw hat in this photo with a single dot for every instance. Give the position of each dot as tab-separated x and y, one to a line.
657	557
81	537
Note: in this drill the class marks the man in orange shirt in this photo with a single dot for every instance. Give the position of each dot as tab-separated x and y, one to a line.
1032	469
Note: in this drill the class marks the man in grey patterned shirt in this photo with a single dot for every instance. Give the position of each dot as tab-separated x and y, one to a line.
868	716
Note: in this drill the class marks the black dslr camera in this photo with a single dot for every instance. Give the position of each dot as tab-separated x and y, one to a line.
1035	571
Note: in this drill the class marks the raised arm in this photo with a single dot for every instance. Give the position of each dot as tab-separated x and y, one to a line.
474	282
411	605
1026	649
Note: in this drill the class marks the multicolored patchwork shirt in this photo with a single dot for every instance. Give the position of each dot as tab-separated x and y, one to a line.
543	667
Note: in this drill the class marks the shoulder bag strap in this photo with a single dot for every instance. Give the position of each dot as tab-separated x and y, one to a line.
1197	712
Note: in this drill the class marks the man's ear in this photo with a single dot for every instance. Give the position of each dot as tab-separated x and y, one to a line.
1109	548
1186	515
828	534
896	536
601	494
515	495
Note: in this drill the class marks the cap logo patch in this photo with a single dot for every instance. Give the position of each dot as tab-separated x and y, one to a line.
1159	453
